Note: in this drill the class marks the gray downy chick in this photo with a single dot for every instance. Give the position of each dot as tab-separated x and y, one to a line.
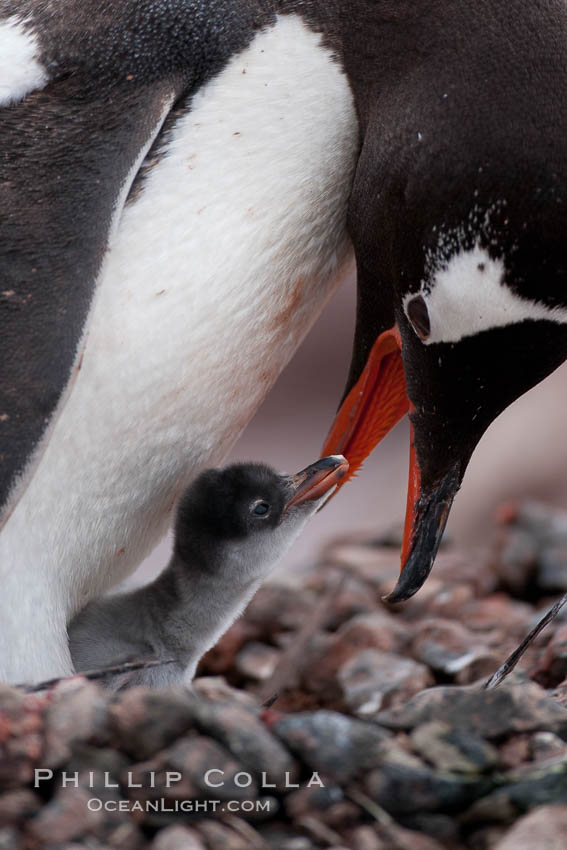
232	527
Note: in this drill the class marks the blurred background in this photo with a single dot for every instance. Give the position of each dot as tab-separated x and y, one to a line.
524	453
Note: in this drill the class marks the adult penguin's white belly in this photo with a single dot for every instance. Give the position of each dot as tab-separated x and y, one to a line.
220	262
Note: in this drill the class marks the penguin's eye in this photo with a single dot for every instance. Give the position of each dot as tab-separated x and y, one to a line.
260	508
419	317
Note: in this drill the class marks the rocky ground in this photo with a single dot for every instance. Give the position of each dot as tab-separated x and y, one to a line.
337	721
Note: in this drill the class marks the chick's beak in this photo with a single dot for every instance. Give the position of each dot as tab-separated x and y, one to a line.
316	480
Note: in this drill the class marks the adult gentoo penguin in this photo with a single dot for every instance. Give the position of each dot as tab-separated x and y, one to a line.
182	185
232	527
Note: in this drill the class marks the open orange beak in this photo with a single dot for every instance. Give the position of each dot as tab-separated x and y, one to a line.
373	406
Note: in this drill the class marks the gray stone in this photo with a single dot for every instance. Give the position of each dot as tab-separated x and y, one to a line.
143	721
18	806
21	727
373	680
543	829
77	714
257	661
177	838
65	817
376	630
551	668
452	749
448	647
194	757
220	837
332	743
396	837
278	607
547	745
552	569
403	790
490	714
241	731
529	786
10	838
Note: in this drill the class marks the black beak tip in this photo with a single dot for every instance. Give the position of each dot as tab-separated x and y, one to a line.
329	462
410	581
430	526
422	556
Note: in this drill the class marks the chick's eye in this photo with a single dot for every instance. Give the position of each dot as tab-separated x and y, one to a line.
418	315
261	508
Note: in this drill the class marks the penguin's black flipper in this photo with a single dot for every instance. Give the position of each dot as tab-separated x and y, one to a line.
101	80
68	159
84	87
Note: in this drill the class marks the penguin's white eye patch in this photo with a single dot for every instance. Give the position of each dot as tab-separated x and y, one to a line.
468	294
418	315
20	69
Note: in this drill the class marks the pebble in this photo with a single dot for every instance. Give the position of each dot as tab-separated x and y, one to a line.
21	743
403	789
332	743
279	608
299	842
515	751
473	568
125	835
221	657
487	837
365	838
65	817
194	757
177	838
312	799
147	781
257	661
524	788
551	669
545	828
372	680
545	524
490	714
220	837
242	732
18	806
449	647
376	630
10	839
143	721
552	575
328	655
396	837
377	566
217	689
517	562
453	750
547	745
449	600
441	827
77	713
500	613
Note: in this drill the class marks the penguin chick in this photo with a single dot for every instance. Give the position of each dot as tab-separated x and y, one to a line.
232	526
